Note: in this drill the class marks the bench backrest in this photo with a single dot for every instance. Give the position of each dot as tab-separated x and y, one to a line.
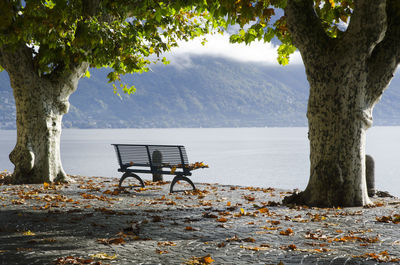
142	155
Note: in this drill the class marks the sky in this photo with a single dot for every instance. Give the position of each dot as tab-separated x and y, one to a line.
218	45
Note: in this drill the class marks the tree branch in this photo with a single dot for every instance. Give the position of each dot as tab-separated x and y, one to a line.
1	58
385	58
306	29
68	78
11	58
367	25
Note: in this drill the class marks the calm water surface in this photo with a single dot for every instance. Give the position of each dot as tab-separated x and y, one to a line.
266	157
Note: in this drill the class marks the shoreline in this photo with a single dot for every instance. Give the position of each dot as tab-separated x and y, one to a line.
90	222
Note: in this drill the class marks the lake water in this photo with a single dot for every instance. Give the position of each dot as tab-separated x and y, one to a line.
264	157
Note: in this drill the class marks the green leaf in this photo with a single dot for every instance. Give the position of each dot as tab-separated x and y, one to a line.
49	4
165	61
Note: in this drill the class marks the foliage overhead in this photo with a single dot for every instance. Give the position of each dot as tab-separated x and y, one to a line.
259	20
123	34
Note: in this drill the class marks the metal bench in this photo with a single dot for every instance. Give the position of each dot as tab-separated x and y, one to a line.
154	159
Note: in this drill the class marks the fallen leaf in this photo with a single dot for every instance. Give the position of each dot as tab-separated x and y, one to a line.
209	215
46	185
103	256
207	259
249	198
166	243
200	260
254	248
73	260
158	251
263	210
222	220
287	232
111	241
28	233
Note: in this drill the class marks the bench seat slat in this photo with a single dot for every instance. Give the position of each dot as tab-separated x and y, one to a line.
160	172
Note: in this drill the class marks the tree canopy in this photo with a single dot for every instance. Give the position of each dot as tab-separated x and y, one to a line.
122	34
117	34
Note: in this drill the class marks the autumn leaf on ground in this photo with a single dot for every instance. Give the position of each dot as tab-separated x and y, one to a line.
271	228
74	260
234	238
24	249
18	202
189	228
103	256
317	250
254	248
274	222
159	251
200	260
287	232
353	238
316	217
113	241
387	219
263	210
374	205
46	185
222	220
249	198
205	203
380	257
170	202
289	247
114	192
28	233
166	243
209	215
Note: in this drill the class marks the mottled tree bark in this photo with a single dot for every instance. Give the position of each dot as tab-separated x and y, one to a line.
347	76
41	102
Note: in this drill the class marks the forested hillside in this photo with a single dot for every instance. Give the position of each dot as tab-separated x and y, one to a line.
197	92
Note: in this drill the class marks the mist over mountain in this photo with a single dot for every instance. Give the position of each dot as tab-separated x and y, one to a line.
197	91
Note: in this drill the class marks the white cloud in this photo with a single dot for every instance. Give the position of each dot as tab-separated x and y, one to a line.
219	46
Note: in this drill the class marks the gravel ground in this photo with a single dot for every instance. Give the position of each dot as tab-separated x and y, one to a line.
91	222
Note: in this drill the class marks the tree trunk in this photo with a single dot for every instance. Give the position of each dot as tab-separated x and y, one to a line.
347	76
36	155
41	102
338	117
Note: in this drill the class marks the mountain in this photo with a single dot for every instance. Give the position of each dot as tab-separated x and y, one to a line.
198	91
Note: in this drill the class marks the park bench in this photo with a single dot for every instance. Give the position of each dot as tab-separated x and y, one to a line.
156	160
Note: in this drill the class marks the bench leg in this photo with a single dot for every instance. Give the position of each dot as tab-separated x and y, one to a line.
130	174
178	178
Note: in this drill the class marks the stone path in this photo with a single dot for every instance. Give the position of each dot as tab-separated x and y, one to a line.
90	222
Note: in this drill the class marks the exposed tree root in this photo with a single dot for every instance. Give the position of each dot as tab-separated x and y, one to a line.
295	199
